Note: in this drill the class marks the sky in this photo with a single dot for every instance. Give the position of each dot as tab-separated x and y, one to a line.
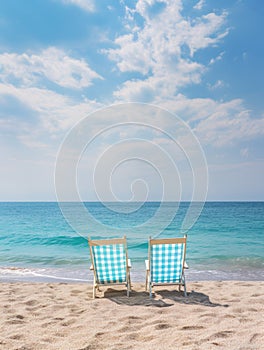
63	61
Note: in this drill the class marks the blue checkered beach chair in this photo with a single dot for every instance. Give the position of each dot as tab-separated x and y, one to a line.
166	263
110	263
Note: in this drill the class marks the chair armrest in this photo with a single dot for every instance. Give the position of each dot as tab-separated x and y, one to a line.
129	263
147	264
185	265
91	267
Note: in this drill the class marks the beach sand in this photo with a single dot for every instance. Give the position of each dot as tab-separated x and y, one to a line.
215	315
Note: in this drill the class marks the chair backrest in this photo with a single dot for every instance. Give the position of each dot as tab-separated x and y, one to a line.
167	258
110	261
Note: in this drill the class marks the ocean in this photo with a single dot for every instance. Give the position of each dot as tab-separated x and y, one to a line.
37	244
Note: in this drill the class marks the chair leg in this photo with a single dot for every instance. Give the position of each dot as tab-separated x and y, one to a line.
184	285
128	283
94	288
185	293
129	280
150	290
147	280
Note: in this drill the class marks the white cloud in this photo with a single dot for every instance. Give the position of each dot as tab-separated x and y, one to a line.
206	31
25	83
218	84
144	7
162	49
217	123
87	5
55	113
161	85
218	58
199	5
131	56
52	64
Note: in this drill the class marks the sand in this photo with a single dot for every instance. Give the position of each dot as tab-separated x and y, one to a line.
215	315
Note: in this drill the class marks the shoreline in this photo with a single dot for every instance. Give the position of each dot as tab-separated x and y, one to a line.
216	314
84	275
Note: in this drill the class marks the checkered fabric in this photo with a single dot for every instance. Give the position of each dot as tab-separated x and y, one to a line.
166	263
110	263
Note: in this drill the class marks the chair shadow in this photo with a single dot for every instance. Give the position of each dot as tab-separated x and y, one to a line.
193	298
161	298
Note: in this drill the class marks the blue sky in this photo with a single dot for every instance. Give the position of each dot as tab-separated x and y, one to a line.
202	60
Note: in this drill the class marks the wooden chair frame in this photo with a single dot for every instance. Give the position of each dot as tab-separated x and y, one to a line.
103	242
149	284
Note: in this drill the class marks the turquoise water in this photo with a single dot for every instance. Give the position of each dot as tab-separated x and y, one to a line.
37	243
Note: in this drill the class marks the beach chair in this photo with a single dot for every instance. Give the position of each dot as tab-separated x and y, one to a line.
110	263
166	263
